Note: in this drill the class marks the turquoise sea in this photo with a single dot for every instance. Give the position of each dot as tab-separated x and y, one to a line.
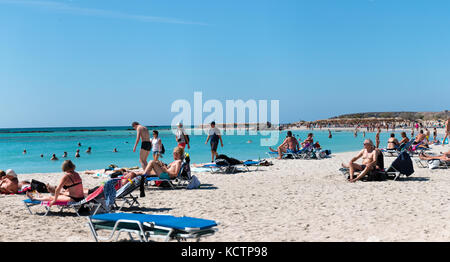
103	140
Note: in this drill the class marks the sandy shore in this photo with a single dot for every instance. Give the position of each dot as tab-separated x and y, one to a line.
293	200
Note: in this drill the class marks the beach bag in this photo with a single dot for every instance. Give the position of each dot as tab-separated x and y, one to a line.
38	186
162	184
163	150
194	183
376	176
322	154
229	160
433	164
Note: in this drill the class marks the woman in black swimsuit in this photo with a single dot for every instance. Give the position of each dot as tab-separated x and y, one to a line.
70	182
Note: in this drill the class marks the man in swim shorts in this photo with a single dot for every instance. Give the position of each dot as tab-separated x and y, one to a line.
369	155
146	146
215	136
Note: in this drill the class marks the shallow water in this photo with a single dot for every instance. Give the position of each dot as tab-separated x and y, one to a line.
58	140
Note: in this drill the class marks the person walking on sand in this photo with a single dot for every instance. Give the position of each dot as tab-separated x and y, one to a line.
377	137
215	136
146	146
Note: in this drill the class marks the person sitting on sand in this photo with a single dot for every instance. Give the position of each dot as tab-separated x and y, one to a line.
392	142
289	144
157	168
369	155
9	184
444	157
71	182
54	158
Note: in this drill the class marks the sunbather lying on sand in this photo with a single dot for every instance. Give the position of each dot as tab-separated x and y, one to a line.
369	155
9	184
158	169
443	157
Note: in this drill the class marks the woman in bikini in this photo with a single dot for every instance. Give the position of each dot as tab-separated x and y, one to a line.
392	142
70	182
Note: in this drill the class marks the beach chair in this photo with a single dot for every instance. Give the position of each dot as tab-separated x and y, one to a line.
147	227
125	193
91	201
399	149
432	163
180	181
286	155
374	175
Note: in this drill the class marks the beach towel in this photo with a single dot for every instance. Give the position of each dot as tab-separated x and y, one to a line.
109	191
194	183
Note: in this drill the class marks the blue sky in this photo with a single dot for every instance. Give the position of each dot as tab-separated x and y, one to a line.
97	63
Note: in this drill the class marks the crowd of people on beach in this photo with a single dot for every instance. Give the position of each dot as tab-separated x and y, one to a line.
70	186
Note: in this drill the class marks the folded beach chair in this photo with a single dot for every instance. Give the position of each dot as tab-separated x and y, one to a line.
92	202
147	227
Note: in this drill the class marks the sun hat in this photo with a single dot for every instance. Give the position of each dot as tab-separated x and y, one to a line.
11	172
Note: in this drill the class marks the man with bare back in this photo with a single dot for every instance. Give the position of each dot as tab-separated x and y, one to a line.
146	146
290	144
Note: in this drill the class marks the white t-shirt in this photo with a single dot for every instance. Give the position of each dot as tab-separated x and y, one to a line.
213	131
180	135
156	145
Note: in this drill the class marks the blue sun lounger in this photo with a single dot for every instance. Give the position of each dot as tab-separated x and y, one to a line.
147	227
231	169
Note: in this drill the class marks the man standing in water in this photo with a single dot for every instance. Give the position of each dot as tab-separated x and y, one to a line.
377	137
214	134
146	146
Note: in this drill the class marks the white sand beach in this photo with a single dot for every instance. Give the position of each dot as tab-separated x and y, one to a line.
293	200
